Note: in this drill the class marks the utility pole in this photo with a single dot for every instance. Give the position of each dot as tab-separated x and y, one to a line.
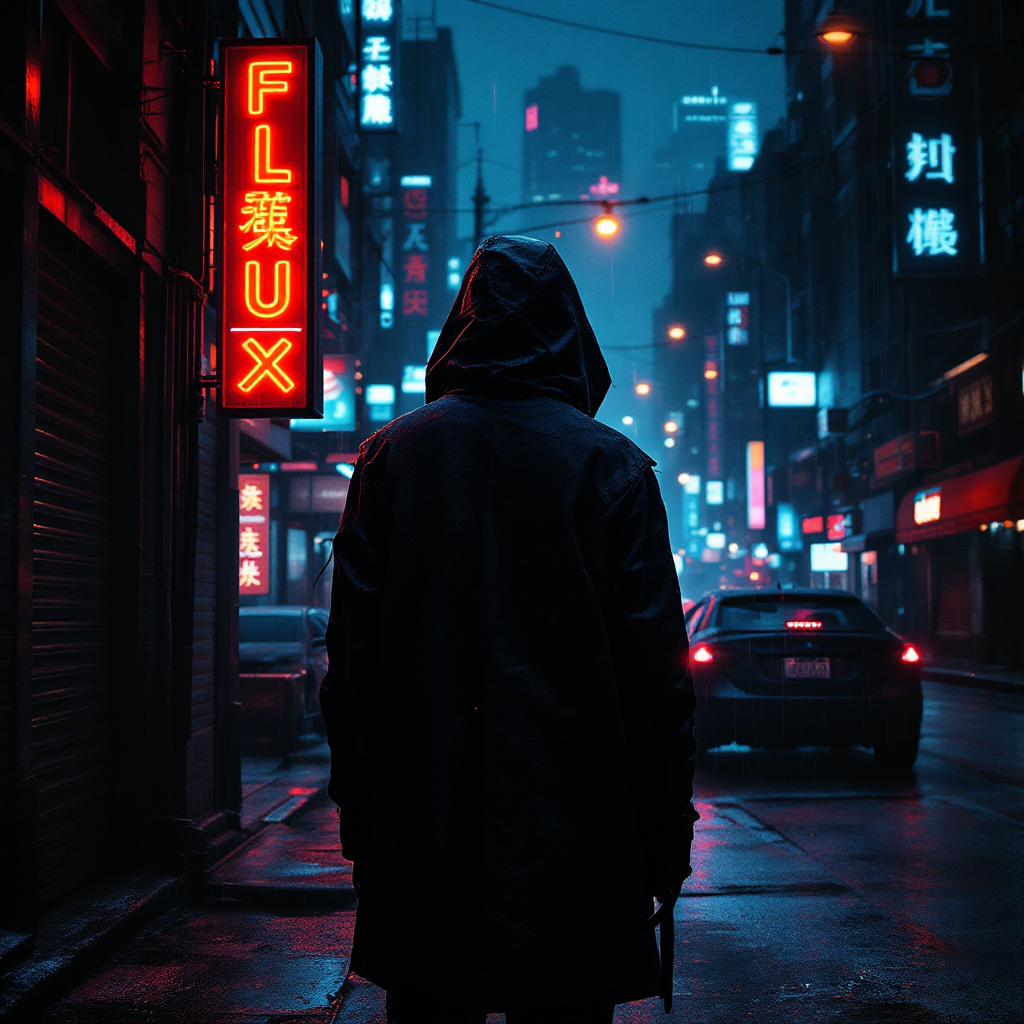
480	196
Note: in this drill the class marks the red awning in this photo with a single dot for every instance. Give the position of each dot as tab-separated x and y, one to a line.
991	495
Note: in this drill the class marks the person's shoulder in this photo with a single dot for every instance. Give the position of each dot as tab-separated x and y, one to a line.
611	459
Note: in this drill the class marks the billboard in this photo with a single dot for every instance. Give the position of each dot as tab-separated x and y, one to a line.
792	389
269	214
756	510
742	136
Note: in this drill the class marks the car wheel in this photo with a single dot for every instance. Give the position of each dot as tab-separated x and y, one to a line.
898	752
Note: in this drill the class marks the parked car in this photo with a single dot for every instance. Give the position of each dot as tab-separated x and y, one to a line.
282	659
795	668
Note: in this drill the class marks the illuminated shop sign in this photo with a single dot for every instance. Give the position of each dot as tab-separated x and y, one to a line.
711	436
935	170
928	506
756	510
829	558
813	524
532	118
737	318
714	493
700	109
378	66
339	398
794	389
742	136
835	527
785	528
604	187
253	533
270	229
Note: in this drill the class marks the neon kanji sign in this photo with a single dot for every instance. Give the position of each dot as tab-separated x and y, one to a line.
378	66
269	211
253	533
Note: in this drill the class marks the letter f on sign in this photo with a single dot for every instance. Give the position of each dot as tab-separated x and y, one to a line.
267	76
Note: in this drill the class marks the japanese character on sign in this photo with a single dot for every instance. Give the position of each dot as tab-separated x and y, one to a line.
415	267
932	232
416	238
251	498
414	302
268	220
936	154
930	10
377	50
414	202
377	10
249	542
248	573
377	78
377	109
734	316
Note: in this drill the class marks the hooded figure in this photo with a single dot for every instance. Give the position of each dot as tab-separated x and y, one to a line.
508	702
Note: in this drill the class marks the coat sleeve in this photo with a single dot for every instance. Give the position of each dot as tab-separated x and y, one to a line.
346	694
651	654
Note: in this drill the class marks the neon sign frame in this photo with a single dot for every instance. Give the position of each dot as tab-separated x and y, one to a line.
269	225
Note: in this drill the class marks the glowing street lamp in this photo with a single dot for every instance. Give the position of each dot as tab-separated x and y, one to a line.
837	30
714	259
677	332
683	478
607	225
671	426
627	421
643	388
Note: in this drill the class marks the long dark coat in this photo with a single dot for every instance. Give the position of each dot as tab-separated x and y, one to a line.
508	696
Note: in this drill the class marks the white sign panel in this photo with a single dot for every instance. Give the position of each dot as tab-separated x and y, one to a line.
794	389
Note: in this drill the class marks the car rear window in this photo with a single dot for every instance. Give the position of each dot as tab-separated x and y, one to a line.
771	613
269	629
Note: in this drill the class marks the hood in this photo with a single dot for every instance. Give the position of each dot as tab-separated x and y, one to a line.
518	330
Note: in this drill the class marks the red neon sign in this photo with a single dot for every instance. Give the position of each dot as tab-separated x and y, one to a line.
814	524
271	360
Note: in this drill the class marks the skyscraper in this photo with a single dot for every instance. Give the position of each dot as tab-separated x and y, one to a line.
572	140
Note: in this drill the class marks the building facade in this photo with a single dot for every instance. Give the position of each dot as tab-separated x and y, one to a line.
572	140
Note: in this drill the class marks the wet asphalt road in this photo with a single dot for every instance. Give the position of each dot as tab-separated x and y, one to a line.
822	891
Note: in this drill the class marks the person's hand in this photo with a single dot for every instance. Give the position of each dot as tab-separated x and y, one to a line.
667	902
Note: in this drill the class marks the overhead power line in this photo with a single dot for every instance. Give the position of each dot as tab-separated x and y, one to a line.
771	51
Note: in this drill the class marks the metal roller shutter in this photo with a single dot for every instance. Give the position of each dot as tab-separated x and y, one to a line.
72	541
953	588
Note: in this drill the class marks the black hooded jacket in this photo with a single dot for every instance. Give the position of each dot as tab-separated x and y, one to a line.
508	700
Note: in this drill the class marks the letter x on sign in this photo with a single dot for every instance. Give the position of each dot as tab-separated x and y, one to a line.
266	365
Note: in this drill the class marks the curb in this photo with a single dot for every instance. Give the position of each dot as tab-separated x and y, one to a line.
58	964
951	677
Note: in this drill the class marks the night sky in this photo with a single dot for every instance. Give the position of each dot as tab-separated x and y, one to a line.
501	55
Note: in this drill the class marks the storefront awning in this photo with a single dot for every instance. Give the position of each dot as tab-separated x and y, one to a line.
961	503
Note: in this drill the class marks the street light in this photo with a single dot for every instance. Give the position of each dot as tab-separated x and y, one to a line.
643	388
677	332
607	225
683	478
714	259
837	30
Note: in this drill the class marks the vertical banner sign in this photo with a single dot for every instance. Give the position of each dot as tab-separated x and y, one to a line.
253	533
755	485
378	65
270	229
937	214
415	248
737	318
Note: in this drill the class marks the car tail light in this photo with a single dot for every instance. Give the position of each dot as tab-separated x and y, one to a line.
702	654
910	655
803	624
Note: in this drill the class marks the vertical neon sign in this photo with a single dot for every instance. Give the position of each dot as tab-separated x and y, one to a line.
269	219
756	513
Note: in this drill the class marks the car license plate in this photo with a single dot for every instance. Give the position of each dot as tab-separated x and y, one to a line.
808	668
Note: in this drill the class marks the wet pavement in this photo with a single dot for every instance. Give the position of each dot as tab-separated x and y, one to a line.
822	891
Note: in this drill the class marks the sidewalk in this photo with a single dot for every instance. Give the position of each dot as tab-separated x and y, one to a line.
284	856
961	672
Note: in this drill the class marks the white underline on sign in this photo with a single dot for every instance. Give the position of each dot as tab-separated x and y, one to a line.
249	330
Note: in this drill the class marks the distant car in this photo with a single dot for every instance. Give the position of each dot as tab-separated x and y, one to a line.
282	659
793	668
